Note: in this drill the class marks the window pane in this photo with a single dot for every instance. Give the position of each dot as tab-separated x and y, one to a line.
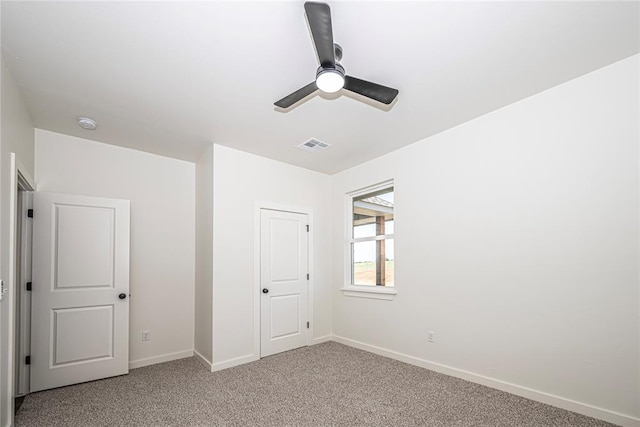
389	262
363	255
373	214
373	263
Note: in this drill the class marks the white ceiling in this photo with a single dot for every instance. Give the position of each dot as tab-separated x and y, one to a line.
173	77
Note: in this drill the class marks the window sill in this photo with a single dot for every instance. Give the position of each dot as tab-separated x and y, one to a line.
372	292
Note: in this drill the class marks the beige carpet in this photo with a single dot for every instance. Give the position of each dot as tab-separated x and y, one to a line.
324	385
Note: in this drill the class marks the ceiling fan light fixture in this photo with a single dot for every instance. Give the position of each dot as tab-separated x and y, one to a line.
330	80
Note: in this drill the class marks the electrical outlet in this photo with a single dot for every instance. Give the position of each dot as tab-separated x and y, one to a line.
146	336
431	336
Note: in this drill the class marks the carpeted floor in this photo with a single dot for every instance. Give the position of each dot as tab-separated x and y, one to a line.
323	385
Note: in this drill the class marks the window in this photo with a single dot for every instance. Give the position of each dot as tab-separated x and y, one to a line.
371	242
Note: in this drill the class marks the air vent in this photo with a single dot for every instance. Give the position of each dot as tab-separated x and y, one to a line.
314	145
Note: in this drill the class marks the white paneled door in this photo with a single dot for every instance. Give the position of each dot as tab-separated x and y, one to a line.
284	281
80	290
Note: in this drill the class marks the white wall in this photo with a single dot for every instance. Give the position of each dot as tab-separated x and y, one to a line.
162	195
204	257
239	180
517	243
16	137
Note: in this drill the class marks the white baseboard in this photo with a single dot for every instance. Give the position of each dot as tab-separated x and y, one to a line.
206	362
322	339
539	396
218	366
133	364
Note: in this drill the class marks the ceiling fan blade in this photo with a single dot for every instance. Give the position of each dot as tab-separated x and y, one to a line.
296	96
319	18
377	92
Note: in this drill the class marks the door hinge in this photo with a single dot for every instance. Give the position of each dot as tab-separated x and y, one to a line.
27	360
307	276
307	228
307	325
30	213
28	286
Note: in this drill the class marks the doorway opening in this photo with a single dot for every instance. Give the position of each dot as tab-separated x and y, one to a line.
22	308
20	200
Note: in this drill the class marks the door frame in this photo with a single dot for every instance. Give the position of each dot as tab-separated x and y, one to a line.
19	176
258	207
23	303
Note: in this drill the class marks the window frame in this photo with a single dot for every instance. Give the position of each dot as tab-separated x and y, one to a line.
351	289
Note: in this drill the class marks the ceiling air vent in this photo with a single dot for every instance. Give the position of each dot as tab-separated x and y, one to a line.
314	145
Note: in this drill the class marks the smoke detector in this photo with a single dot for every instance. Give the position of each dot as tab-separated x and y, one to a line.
87	123
314	145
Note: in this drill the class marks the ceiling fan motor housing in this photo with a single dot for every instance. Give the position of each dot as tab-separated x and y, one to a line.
337	51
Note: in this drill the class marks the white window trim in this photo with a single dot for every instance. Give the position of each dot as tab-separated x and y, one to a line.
363	291
371	292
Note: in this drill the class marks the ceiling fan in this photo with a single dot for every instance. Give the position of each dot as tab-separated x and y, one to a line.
331	76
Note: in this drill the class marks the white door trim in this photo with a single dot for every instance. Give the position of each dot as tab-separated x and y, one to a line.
20	175
258	206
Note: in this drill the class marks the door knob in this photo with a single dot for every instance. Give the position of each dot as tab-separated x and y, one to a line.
265	291
122	296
